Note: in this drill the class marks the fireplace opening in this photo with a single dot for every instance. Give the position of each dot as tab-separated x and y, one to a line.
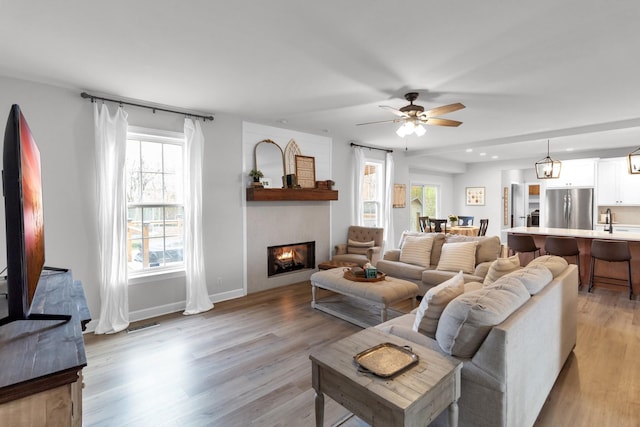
291	257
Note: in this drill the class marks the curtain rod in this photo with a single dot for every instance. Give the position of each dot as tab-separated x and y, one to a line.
353	144
94	97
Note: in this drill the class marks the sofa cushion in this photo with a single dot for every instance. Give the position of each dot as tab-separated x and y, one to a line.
554	263
401	270
458	256
533	277
434	302
468	319
500	267
488	249
360	248
472	286
417	250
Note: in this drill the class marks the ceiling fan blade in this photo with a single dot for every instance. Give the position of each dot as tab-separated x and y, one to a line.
438	111
395	111
434	121
381	121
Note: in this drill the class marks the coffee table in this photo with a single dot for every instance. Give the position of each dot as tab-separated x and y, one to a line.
412	398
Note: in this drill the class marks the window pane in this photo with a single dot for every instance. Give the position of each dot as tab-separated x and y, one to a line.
133	155
173	221
172	188
153	222
151	187
172	158
151	156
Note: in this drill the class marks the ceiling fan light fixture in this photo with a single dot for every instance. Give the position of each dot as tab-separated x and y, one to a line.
548	168
420	130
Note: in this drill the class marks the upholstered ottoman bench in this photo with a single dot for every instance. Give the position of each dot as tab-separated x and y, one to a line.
381	294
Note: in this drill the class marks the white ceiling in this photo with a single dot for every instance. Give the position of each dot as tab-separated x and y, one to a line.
565	70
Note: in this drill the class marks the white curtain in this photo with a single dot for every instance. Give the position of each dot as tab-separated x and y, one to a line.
388	200
359	163
197	294
111	145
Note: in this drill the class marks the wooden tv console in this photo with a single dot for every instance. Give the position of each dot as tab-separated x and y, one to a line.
41	361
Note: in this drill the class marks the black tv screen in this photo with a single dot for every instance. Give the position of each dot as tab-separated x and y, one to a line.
24	219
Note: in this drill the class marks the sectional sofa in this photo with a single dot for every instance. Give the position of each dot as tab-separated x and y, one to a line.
512	335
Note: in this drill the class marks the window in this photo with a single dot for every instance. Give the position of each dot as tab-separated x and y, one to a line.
424	202
372	194
155	210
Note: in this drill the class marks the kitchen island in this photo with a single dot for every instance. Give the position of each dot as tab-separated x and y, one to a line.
584	238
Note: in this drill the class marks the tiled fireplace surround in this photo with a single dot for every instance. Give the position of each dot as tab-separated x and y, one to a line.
280	223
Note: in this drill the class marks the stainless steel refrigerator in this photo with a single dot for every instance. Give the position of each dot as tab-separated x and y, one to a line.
569	208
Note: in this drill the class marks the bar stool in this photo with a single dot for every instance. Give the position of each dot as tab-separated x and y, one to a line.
612	251
564	246
522	243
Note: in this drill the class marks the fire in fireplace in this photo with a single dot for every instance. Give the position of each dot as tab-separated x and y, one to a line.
291	257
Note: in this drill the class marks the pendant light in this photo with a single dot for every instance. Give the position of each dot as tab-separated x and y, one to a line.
548	168
633	160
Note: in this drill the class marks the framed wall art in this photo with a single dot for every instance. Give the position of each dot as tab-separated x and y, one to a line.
474	196
306	171
399	195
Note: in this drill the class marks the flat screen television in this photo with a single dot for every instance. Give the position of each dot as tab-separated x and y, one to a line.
24	219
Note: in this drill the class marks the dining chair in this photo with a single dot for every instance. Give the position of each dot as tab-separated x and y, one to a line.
465	220
423	223
438	225
484	223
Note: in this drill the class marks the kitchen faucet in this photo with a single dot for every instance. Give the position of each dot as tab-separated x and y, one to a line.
608	221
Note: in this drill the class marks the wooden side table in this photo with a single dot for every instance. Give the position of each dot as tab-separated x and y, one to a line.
412	398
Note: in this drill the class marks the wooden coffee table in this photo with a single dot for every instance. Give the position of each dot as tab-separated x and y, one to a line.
412	398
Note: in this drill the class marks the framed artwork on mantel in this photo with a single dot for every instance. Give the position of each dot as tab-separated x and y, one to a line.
306	171
474	196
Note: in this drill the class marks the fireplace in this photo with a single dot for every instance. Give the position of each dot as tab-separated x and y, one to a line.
290	257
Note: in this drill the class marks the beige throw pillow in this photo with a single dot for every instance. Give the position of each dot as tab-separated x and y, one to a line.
500	267
434	302
458	256
417	250
468	319
360	248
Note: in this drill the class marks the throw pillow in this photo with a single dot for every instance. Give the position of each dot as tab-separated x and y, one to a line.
406	234
500	267
417	250
360	248
533	277
554	263
434	302
468	319
458	256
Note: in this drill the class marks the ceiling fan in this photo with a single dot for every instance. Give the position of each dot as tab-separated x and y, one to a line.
413	116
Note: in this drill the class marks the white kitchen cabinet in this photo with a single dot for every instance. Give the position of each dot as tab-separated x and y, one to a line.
575	173
619	228
616	186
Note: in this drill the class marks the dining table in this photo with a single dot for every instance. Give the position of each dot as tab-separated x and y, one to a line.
465	230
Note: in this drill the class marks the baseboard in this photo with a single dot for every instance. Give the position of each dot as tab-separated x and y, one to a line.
174	307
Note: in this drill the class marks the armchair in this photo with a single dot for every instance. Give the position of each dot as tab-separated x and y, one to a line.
364	244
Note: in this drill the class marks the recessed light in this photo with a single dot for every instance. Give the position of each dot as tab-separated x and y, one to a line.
483	154
569	149
494	157
283	121
468	150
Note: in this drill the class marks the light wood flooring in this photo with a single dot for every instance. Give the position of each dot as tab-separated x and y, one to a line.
246	363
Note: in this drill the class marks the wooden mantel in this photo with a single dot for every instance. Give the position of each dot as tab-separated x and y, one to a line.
275	194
